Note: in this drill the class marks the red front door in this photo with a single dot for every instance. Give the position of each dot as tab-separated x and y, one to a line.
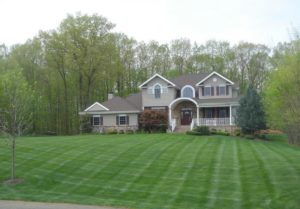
186	116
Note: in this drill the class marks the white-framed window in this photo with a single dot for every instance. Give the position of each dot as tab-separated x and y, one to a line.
188	91
157	91
97	120
122	120
207	91
222	90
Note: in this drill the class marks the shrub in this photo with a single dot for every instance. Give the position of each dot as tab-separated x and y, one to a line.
153	121
201	130
194	133
111	131
121	131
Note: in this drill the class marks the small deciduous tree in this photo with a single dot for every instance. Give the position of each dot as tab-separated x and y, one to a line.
282	96
15	112
250	114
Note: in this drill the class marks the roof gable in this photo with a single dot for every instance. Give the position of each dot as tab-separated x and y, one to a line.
154	76
214	73
96	107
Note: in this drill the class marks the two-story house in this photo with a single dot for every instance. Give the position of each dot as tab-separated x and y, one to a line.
194	99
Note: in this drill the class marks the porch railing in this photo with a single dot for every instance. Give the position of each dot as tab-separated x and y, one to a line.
216	121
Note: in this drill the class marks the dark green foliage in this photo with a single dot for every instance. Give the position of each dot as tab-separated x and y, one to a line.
219	132
250	114
199	130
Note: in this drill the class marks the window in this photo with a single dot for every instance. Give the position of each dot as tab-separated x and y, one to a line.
222	90
97	120
208	113
207	91
157	91
122	120
188	91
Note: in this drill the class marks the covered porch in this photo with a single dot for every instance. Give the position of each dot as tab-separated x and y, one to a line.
188	112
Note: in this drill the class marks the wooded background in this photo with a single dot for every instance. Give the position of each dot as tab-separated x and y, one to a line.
63	71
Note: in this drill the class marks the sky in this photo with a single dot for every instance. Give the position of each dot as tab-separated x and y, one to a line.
258	21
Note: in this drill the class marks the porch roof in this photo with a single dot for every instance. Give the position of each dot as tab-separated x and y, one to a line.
215	102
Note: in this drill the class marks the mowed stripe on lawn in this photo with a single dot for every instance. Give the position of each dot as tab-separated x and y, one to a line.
155	171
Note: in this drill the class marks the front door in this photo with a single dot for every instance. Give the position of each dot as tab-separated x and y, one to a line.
186	116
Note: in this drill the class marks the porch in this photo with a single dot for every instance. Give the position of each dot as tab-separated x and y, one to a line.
188	113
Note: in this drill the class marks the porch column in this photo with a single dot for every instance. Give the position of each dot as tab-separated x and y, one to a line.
197	116
170	116
230	115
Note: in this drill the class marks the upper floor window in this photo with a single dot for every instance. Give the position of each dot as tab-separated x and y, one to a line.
207	91
157	91
222	90
188	91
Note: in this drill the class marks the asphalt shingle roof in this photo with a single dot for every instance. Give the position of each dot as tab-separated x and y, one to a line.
188	79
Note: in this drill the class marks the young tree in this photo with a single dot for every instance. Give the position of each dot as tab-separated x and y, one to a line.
282	97
15	115
250	114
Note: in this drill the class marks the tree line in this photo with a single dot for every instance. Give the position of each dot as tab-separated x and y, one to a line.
66	69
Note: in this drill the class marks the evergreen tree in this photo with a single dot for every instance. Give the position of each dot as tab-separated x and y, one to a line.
250	114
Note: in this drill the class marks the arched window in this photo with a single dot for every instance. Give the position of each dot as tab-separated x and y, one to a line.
188	91
157	91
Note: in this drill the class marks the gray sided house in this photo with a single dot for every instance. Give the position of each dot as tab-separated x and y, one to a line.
194	99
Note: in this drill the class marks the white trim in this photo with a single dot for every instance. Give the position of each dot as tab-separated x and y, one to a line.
110	112
156	75
218	104
214	73
183	99
96	103
188	86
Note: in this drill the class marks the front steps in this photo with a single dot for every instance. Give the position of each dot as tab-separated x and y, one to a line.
182	128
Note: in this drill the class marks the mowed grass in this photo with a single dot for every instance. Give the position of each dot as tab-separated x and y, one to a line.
155	171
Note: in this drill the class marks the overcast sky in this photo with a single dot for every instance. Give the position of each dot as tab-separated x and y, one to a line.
258	21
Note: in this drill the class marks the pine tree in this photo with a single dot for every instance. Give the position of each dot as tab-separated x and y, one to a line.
250	114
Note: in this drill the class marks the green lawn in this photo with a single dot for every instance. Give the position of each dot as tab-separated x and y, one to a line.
155	171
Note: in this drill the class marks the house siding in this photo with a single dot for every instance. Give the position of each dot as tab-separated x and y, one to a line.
165	99
109	122
209	82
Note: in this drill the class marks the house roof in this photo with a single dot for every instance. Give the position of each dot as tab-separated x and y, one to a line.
135	100
120	104
211	74
215	101
96	107
154	76
188	79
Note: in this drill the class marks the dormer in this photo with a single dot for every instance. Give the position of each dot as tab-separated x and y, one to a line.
215	86
157	91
